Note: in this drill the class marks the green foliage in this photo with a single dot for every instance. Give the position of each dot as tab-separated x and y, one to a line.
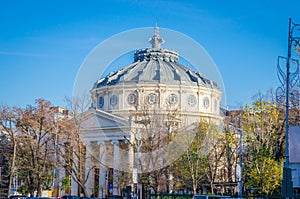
199	163
190	167
23	189
262	135
66	184
47	183
265	173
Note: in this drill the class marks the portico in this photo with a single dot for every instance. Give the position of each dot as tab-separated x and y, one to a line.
103	133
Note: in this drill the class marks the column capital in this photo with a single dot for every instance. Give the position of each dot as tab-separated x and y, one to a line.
115	142
162	90
87	144
101	142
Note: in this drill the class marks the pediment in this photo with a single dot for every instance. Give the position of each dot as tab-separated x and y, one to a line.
98	119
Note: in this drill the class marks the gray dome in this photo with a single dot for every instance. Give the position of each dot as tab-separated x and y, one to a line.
155	65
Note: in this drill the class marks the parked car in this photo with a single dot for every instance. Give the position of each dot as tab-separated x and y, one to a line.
115	197
70	197
18	197
198	196
42	198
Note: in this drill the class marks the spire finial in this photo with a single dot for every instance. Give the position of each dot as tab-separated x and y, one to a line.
156	40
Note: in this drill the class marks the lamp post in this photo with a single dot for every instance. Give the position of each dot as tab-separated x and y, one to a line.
136	142
0	176
287	93
240	182
239	166
55	186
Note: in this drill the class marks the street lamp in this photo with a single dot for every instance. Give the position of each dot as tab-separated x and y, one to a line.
55	172
0	176
239	166
240	182
136	142
287	93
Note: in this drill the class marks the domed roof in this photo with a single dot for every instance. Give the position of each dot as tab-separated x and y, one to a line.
155	65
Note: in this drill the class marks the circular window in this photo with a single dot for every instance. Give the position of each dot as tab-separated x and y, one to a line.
113	100
192	100
152	98
206	102
173	99
101	102
131	99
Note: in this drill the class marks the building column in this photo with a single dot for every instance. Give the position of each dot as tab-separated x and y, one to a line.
88	166
131	164
103	170
116	167
131	158
74	184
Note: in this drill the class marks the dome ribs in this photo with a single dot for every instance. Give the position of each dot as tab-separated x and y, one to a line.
143	74
175	74
156	66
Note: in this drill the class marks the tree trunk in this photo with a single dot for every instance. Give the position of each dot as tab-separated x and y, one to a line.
211	187
194	188
31	186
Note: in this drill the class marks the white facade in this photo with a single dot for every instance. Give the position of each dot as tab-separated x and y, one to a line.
154	83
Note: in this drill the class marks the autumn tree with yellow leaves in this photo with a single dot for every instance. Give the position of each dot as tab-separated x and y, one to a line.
263	141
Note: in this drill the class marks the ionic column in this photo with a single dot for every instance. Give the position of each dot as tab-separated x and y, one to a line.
88	166
74	184
103	170
131	157
116	167
132	165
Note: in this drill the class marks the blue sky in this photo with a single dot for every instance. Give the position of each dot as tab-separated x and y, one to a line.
43	43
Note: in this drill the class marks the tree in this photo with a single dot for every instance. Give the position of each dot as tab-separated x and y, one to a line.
156	129
201	163
71	149
231	147
214	154
36	145
9	145
263	138
42	139
189	169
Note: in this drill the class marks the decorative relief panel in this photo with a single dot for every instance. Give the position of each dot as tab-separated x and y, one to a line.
101	102
206	102
132	99
113	100
192	100
173	99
